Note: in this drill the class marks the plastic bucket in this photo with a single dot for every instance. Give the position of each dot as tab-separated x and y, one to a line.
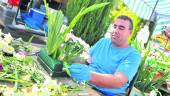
37	15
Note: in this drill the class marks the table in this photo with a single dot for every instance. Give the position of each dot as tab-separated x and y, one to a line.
85	91
19	31
9	87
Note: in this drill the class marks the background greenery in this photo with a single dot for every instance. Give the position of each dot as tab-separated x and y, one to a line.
150	66
92	26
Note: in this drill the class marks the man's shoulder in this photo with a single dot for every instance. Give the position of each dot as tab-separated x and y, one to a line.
104	39
134	51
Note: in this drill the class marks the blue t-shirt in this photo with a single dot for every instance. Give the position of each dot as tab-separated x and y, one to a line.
109	59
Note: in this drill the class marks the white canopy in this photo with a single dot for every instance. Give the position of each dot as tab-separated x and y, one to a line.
144	9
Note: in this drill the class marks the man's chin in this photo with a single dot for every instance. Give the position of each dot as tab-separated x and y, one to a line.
114	40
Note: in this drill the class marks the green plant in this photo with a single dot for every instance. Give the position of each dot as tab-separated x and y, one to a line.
145	81
51	88
159	60
135	44
15	66
55	21
148	69
92	26
19	71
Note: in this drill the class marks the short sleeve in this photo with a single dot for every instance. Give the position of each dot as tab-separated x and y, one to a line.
130	65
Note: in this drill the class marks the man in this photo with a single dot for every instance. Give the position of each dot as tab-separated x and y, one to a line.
113	61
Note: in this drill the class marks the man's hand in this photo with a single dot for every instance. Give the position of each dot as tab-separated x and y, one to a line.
80	72
86	56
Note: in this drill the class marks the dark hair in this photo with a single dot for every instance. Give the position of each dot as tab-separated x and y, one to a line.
127	18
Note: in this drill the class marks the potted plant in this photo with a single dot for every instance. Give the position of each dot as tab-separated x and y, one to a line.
52	56
148	70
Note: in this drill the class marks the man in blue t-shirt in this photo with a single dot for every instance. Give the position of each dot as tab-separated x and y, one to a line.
113	61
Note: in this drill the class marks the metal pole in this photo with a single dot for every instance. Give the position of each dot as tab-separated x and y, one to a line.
17	10
153	10
148	23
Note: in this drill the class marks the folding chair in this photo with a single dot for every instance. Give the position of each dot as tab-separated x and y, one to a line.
129	89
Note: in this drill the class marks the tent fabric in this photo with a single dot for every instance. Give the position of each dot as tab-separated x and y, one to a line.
144	8
162	8
161	21
140	8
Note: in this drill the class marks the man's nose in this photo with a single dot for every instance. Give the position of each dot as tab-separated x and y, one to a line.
115	31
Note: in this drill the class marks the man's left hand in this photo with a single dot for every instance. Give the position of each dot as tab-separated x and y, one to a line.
80	72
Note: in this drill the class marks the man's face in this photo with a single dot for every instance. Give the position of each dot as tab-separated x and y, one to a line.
120	32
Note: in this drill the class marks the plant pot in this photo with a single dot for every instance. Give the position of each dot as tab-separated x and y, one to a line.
53	67
137	92
168	85
7	53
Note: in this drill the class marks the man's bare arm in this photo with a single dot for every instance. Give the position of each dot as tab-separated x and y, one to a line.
116	80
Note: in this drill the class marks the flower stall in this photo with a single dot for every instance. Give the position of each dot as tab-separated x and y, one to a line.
40	41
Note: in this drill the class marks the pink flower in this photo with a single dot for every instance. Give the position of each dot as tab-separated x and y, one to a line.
22	53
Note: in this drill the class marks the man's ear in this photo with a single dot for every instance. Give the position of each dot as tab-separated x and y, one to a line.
130	32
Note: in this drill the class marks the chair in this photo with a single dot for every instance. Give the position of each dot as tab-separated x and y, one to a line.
129	89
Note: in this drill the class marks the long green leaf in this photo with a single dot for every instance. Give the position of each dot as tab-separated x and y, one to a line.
77	17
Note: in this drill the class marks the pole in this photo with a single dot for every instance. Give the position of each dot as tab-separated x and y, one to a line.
148	23
153	10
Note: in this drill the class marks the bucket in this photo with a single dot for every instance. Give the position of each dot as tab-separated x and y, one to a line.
37	15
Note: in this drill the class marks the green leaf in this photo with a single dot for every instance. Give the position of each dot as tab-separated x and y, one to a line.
66	66
55	21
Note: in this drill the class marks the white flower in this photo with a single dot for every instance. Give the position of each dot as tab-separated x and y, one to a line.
1	32
35	90
86	46
109	30
8	38
63	28
8	49
153	92
82	42
3	45
143	35
85	55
